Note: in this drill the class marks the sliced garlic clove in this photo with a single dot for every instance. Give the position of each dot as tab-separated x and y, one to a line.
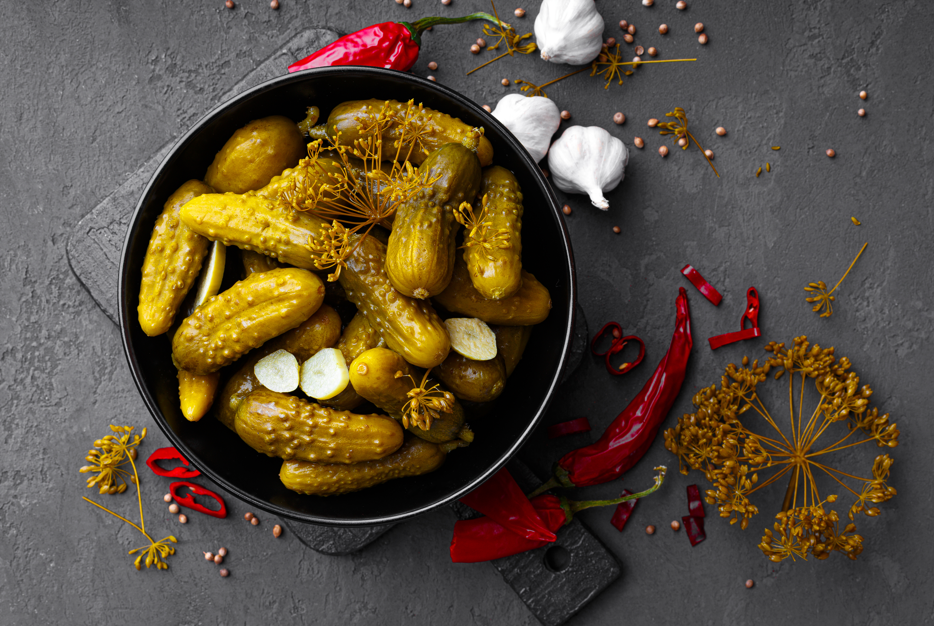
212	273
278	371
325	374
471	338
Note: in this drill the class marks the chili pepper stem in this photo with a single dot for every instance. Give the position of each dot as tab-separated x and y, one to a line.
576	507
559	479
428	22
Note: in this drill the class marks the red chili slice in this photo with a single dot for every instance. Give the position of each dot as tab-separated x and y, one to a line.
623	511
752	314
188	501
170	454
695	503
695	528
618	344
572	427
702	285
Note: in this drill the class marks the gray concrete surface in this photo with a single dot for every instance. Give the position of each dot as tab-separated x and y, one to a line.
91	89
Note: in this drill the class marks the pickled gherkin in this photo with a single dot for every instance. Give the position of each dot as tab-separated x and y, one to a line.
256	153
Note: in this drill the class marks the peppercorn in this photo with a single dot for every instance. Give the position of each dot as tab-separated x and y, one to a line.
649	530
632	29
619	118
222	551
681	5
432	65
486	107
248	516
720	131
208	556
432	78
182	519
699	27
709	154
663	151
831	152
750	583
702	40
255	521
167	497
652	52
504	82
653	123
229	4
611	42
638	142
617	230
623	24
277	531
861	113
676	525
566	209
519	12
475	49
274	5
173	508
663	29
639	50
218	560
225	573
863	95
565	115
628	38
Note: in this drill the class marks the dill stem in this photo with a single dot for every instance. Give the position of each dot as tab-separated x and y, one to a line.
139	497
837	479
849	445
801	411
490	61
771	480
119	517
836	471
849	268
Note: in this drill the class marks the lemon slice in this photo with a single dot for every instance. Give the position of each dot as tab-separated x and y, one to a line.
212	273
471	338
278	371
325	374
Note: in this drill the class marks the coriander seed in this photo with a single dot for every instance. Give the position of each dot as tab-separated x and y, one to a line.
623	24
861	113
274	5
653	123
699	27
720	131
222	551
628	38
182	519
224	572
676	525
648	3
750	583
432	79
277	531
681	5
481	42
218	559
619	118
407	4
173	508
649	530
683	141
432	65
229	4
248	516
632	29
708	154
519	12
486	107
663	151
702	40
566	209
831	152
565	115
639	50
167	497
638	142
663	29
255	521
863	95
208	556
617	230
611	42
504	82
475	49
652	52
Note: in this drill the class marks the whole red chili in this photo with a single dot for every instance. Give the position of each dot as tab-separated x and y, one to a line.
501	499
170	454
482	539
393	45
628	438
188	500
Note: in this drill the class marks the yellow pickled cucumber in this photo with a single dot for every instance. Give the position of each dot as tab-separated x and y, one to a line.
244	317
496	269
280	425
307	176
473	381
356	339
172	262
415	458
256	263
527	307
410	327
373	375
350	119
510	344
420	255
321	330
256	153
196	393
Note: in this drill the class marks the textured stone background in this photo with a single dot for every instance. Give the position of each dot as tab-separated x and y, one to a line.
91	89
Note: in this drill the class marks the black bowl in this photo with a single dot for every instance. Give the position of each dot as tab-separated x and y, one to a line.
253	477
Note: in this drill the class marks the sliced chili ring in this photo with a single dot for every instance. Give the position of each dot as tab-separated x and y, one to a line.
695	528
618	346
695	503
572	427
170	454
702	285
623	511
188	500
616	331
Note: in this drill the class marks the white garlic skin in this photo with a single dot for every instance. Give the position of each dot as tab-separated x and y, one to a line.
569	31
532	120
588	160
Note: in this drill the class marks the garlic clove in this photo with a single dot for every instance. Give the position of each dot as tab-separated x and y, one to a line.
533	120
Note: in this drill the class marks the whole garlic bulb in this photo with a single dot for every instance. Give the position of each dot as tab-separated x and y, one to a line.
588	160
533	120
569	31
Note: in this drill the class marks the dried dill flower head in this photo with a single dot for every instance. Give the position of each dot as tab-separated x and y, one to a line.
716	439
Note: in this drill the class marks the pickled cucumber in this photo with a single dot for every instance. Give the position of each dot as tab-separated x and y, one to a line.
473	381
255	153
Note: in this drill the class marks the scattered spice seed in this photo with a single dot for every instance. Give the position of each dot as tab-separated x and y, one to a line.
218	560
750	583
399	1
565	115
863	95
636	60
699	27
182	519
776	147
702	40
274	5
566	209
648	3
222	551
229	4
519	12
167	497
248	516
407	4
619	118
676	525
255	521
720	131
652	52
225	573
632	29
681	5
208	556
628	38
277	531
758	171
831	152
475	49
173	508
682	142
623	24
639	50
617	230
486	107
481	42
432	66
638	142
855	221
768	167
445	2
708	154
504	82
432	79
649	530
611	42
663	151
861	112
132	453
653	122
663	29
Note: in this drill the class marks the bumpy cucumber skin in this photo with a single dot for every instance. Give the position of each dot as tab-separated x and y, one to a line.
373	375
415	458
527	307
253	311
356	339
473	381
420	255
196	393
172	262
497	273
252	222
321	330
256	153
510	344
409	326
345	119
288	427
310	176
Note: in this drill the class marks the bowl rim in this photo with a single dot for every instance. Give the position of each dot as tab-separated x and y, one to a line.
126	317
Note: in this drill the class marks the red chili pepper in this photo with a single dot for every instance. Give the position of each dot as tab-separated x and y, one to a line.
572	427
393	45
752	314
694	526
695	503
623	511
170	454
619	342
501	499
482	539
633	431
188	501
702	285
